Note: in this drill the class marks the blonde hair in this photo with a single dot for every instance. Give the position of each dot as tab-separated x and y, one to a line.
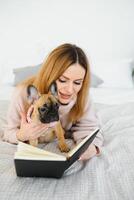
54	66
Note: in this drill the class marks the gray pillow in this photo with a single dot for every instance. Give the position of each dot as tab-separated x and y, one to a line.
22	73
95	80
25	72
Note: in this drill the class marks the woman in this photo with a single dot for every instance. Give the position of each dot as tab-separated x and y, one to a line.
68	67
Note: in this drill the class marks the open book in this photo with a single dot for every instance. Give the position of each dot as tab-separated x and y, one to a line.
32	161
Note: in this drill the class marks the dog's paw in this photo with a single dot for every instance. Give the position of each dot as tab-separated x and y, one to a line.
33	142
64	148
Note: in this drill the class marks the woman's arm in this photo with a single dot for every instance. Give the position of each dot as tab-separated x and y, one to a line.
88	122
17	126
13	115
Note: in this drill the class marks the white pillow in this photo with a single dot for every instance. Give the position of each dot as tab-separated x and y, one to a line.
114	73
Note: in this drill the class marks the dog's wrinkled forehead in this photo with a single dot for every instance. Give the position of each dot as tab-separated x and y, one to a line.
46	99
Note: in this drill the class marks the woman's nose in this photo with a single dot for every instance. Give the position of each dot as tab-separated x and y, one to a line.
69	88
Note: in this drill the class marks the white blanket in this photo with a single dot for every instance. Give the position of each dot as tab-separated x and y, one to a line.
109	176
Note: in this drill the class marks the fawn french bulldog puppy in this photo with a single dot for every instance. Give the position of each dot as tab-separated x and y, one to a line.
45	110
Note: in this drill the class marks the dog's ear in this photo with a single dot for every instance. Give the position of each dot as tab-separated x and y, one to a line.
53	89
32	94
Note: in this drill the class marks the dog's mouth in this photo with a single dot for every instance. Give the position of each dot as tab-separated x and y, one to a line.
49	113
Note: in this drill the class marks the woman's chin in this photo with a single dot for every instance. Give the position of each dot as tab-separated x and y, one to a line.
64	101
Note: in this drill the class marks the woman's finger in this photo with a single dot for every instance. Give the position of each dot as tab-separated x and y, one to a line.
29	113
89	153
38	126
23	118
39	133
37	129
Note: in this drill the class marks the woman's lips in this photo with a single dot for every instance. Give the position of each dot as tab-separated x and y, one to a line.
63	96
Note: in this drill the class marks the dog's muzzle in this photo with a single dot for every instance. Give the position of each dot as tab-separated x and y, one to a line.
49	112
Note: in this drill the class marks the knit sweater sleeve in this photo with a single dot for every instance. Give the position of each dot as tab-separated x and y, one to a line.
13	115
88	122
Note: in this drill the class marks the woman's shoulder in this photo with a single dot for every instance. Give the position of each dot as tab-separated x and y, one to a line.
20	91
89	106
89	101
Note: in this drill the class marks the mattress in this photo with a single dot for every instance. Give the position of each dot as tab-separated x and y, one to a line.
106	177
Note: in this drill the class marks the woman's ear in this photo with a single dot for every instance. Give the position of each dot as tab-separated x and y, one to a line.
53	89
32	94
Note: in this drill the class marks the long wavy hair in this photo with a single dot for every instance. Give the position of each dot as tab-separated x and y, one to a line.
54	66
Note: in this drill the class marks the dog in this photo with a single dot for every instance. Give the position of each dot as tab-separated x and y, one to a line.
45	110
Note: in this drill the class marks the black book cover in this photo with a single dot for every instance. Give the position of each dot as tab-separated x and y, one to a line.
49	168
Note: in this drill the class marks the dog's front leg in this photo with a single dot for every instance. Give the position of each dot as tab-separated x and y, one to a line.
60	135
33	142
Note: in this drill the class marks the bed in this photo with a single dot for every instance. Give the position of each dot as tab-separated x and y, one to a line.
106	177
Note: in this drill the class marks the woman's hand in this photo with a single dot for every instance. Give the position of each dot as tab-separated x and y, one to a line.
89	153
29	113
31	130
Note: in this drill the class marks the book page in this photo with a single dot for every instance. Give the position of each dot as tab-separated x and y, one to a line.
24	148
28	156
50	151
76	147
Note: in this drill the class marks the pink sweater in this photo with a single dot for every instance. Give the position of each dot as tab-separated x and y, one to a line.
82	128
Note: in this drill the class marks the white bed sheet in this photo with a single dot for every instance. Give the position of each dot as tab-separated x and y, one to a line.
109	176
112	96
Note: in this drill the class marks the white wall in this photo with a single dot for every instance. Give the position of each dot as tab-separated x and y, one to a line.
31	28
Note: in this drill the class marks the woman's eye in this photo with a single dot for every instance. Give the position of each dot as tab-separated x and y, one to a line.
77	83
62	81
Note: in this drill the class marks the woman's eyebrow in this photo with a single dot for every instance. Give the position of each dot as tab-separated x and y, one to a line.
75	80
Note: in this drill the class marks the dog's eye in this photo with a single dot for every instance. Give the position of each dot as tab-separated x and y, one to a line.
43	109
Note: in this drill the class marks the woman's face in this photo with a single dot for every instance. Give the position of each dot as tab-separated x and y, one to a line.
70	83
